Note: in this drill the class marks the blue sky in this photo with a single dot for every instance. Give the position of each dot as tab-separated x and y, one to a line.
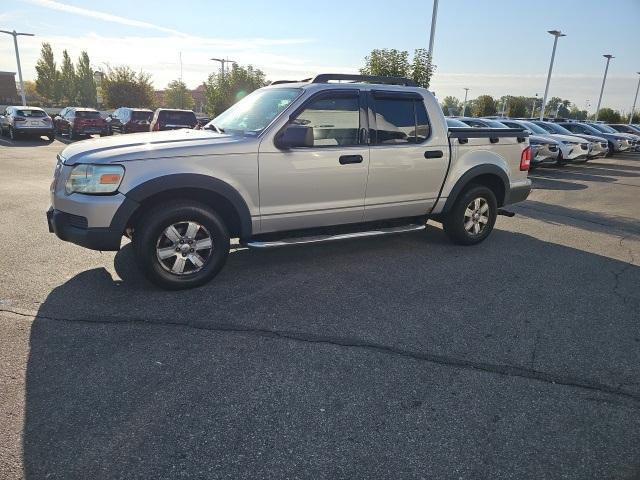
491	46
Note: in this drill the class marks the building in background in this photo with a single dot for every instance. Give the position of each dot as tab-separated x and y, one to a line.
8	90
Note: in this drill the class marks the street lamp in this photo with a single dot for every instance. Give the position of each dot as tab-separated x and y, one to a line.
634	101
533	108
464	105
223	61
432	37
98	76
15	44
604	79
557	34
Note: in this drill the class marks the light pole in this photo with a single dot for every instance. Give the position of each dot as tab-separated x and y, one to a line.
464	105
98	76
223	61
432	37
604	79
15	44
634	101
557	34
533	108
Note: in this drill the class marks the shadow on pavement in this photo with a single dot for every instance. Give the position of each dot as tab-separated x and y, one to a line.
542	183
25	142
126	381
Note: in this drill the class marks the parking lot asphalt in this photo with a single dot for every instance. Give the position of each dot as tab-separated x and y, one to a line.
395	357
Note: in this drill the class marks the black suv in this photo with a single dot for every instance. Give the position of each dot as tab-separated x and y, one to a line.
129	120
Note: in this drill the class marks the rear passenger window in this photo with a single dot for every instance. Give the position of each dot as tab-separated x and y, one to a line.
335	119
400	121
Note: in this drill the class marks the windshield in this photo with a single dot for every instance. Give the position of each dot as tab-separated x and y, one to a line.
452	122
87	114
256	111
494	123
534	128
141	115
31	113
177	117
603	128
558	129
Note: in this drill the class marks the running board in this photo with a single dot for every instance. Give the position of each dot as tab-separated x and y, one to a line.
328	238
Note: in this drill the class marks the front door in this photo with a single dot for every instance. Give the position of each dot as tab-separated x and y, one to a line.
409	158
323	184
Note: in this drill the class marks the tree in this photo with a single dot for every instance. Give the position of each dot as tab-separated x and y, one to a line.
86	85
609	115
177	96
222	91
47	75
395	63
32	95
122	86
517	107
68	80
563	109
451	106
484	106
578	114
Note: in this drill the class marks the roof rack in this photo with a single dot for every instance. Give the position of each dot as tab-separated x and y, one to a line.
278	82
327	77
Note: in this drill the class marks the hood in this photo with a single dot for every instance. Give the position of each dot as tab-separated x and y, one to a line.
568	138
591	138
148	146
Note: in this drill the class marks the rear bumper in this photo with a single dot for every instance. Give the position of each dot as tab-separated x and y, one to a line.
518	193
34	130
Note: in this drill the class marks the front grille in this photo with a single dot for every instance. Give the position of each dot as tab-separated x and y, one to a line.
584	146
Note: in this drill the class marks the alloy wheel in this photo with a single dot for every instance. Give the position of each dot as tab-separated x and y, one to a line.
183	248
476	216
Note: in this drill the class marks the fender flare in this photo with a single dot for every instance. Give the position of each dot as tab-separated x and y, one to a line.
140	193
468	177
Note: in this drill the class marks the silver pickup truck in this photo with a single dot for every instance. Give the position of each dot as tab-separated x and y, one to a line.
334	157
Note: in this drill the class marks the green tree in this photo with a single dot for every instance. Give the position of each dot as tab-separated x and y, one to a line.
86	85
32	95
222	91
47	76
178	96
609	115
563	109
121	86
395	63
578	114
451	106
68	80
517	107
484	106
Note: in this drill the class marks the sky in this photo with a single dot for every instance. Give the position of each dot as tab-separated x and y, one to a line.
494	47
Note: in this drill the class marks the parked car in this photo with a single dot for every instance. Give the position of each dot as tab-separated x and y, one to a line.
171	119
617	142
315	159
129	120
599	147
17	121
547	150
625	128
454	122
76	121
572	149
634	139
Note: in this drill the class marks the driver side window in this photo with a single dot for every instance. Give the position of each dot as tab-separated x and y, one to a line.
334	118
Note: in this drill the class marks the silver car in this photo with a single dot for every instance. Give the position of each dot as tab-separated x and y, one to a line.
26	121
599	145
548	149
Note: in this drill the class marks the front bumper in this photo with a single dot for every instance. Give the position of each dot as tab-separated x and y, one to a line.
72	228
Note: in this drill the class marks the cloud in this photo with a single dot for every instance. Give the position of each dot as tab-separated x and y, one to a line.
107	17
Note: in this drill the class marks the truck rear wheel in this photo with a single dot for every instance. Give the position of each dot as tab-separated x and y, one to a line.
181	245
472	217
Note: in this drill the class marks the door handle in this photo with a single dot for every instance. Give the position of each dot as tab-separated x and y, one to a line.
345	159
433	154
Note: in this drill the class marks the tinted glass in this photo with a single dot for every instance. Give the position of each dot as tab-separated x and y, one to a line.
494	123
335	120
534	128
603	128
453	122
396	121
559	129
141	116
31	113
85	114
177	118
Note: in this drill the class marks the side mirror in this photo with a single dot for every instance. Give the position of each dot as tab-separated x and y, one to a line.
295	136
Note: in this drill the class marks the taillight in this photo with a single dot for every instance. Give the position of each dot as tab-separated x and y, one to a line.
19	119
525	159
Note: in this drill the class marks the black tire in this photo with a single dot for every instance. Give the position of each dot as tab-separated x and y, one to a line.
72	134
611	151
51	137
150	236
12	134
560	162
455	220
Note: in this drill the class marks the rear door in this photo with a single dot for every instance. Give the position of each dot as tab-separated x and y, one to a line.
408	158
323	184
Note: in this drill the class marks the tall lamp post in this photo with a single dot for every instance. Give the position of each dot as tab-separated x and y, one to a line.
432	37
15	44
223	61
557	34
604	79
464	105
533	108
634	101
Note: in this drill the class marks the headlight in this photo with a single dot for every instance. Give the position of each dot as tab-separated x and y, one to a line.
94	179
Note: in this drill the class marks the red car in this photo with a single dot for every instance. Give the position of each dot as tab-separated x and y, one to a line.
77	121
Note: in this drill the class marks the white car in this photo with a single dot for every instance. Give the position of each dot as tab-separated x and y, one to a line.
18	121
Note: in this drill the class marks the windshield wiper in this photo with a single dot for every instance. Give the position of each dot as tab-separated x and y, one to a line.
211	126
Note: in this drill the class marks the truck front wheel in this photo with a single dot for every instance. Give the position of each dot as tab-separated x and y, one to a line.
472	217
181	245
